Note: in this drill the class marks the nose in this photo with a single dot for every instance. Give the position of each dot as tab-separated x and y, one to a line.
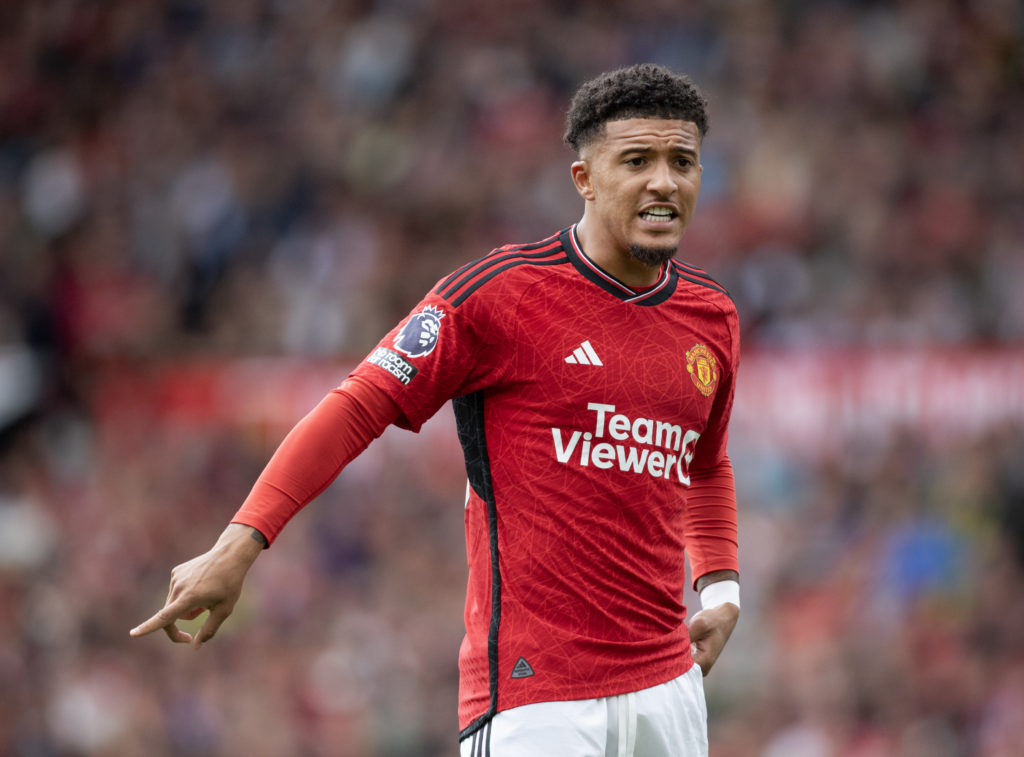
661	180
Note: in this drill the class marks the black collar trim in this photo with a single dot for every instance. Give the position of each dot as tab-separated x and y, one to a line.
654	295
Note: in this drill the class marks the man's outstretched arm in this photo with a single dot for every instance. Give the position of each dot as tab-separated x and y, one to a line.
333	434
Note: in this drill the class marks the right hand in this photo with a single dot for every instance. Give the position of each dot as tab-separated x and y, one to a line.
709	630
212	581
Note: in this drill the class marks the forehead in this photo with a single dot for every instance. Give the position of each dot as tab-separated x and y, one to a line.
670	133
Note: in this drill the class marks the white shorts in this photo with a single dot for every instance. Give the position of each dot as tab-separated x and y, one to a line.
668	720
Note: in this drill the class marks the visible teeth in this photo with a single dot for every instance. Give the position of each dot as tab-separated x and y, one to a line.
658	213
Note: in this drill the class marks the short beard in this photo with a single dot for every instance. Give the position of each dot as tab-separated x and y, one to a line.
652	256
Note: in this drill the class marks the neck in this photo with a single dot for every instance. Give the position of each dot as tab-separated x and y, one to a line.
614	259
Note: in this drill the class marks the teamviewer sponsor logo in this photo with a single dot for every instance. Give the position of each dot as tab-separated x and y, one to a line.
634	445
394	364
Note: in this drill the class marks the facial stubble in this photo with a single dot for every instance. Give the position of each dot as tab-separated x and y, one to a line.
651	256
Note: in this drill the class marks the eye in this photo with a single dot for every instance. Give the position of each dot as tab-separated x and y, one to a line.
636	161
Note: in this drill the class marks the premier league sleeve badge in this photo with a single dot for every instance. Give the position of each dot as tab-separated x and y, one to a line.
418	336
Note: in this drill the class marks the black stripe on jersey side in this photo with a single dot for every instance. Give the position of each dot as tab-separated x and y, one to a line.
655	299
699	277
469	422
448	288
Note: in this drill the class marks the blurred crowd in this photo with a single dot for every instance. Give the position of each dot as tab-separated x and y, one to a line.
268	183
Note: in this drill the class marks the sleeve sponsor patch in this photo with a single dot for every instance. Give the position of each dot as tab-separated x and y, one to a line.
394	364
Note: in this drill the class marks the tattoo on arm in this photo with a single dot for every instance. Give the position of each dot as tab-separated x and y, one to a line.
257	535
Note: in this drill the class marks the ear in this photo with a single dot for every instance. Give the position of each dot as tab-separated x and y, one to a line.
580	171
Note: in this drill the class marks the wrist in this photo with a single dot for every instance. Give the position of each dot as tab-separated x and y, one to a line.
719	593
241	541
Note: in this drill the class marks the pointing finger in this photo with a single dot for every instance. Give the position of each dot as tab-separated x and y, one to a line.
164	618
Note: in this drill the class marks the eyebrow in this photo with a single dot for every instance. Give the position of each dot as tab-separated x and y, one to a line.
637	147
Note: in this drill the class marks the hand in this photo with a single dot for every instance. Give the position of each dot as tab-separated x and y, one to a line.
709	630
212	581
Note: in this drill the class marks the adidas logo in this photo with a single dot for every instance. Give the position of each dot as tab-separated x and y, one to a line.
584	355
521	669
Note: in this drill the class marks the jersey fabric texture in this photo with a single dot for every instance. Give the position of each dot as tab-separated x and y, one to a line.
593	418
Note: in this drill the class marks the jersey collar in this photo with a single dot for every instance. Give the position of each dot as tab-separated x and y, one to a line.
659	292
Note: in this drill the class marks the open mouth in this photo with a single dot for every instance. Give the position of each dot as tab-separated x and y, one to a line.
658	214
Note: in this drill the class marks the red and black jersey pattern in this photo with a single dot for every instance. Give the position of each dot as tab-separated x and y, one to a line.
583	407
661	290
696	276
465	281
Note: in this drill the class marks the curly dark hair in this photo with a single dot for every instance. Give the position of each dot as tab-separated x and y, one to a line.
644	90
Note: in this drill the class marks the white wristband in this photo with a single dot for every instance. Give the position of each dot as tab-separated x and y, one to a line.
718	593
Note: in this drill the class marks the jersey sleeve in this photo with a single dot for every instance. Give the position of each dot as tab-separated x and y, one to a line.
331	435
437	352
710	519
712	446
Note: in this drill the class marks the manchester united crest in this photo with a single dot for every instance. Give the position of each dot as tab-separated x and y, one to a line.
703	368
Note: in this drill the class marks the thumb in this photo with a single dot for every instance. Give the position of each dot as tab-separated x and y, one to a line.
699	626
700	630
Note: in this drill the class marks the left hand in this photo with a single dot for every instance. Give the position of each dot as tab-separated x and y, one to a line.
709	630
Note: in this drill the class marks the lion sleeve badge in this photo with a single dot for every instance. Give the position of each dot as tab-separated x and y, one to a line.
418	336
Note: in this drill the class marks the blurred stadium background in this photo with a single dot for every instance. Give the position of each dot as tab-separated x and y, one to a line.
210	211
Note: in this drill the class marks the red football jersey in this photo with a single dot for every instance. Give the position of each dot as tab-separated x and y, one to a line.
583	407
